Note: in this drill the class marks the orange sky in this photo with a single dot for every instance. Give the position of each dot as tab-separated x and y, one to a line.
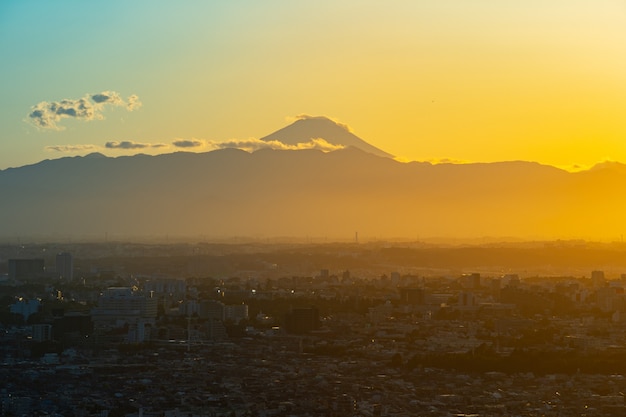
446	80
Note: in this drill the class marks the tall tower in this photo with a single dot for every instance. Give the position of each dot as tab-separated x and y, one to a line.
597	279
65	266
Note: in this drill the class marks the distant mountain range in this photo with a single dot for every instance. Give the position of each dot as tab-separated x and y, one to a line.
270	193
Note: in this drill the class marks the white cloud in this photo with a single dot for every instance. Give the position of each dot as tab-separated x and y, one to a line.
47	115
248	145
133	103
252	144
107	97
129	144
437	161
189	143
70	148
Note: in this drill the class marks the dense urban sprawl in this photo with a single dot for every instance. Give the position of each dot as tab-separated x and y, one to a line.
82	337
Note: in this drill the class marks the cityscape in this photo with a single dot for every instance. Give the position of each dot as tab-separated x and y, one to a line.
123	329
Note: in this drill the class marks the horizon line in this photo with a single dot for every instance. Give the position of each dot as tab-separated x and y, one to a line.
572	168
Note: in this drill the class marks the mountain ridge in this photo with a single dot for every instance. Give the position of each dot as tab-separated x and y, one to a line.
295	190
231	192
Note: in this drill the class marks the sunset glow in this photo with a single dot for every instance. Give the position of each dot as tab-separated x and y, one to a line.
451	80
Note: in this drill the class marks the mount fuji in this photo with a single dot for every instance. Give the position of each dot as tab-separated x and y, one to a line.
307	128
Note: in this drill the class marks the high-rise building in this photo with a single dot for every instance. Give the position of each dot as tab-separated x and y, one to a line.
42	332
496	288
471	281
26	268
236	313
211	309
171	287
124	302
121	306
65	266
466	299
597	279
415	296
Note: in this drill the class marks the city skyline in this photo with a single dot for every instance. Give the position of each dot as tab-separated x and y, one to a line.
446	81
